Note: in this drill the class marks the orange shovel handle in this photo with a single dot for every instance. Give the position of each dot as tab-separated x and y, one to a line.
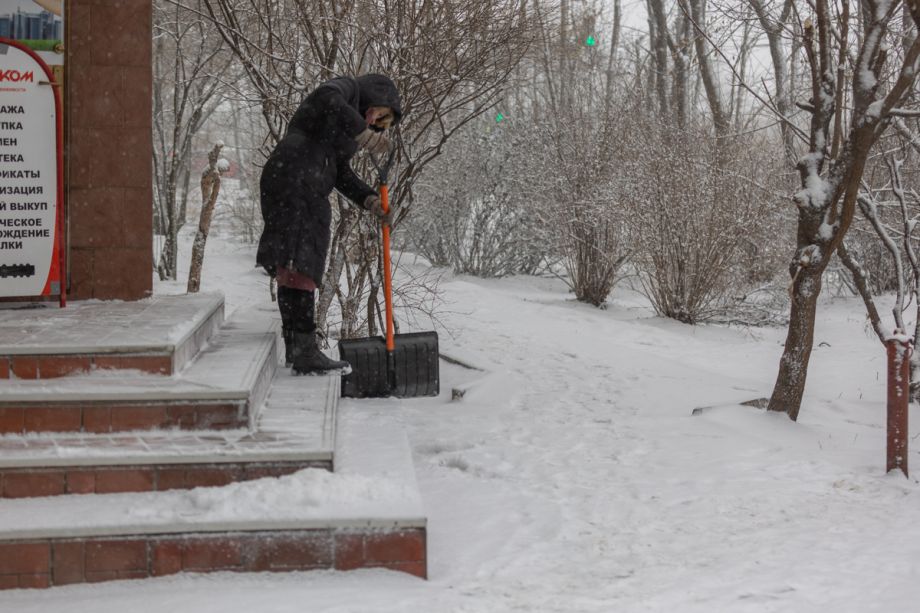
387	273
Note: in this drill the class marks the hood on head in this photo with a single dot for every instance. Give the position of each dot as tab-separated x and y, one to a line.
378	90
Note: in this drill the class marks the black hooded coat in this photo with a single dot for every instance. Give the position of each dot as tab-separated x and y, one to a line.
310	161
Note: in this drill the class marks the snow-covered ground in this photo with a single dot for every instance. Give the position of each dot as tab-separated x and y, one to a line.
572	477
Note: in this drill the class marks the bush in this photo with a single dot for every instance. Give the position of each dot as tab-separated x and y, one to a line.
697	216
470	212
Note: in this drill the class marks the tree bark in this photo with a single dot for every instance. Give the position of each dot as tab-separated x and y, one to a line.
793	366
658	32
710	81
210	188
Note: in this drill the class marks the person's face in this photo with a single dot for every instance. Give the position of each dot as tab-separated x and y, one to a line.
379	117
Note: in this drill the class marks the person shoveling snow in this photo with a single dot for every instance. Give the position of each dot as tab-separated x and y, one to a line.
331	124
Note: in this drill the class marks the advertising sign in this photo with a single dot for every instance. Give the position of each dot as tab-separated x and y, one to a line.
36	24
31	187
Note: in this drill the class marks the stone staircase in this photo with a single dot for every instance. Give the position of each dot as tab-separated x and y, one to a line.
151	438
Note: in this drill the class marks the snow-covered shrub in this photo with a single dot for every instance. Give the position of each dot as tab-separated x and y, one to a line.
578	177
700	215
472	213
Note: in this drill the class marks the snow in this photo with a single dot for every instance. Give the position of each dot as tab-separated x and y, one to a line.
811	253
874	111
373	487
295	424
866	76
233	373
881	9
816	190
572	477
305	499
867	79
93	326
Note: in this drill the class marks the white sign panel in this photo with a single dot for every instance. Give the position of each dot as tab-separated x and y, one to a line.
28	176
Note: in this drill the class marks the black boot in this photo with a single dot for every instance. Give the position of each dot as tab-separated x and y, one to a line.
288	336
309	360
290	302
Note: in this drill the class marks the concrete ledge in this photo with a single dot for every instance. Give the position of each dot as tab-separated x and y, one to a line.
374	487
159	335
295	432
298	424
366	515
224	387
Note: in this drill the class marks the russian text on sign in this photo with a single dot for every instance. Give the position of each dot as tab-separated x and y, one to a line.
21	190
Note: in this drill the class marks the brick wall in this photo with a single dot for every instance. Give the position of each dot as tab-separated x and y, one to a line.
108	148
62	561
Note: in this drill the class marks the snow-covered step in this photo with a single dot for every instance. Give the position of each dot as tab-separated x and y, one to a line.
158	335
296	430
366	514
223	388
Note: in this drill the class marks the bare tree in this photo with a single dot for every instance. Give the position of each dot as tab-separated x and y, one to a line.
775	26
450	61
189	67
894	220
830	184
210	189
579	104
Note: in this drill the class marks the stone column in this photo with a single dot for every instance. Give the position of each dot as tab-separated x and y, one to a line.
108	152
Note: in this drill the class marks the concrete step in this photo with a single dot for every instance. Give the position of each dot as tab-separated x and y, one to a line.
295	430
222	388
367	514
159	335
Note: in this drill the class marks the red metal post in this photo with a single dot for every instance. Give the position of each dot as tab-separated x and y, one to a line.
898	400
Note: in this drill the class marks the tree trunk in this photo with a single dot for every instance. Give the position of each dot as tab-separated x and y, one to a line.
210	188
658	33
710	79
166	267
793	366
347	220
915	360
185	176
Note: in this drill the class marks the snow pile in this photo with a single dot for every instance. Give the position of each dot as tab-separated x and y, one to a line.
309	493
295	500
572	477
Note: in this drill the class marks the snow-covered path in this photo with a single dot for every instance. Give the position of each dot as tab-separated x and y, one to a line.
572	476
618	499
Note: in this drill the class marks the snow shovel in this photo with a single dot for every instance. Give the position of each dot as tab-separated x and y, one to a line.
401	365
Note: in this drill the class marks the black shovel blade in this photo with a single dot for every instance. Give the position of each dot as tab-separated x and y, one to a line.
415	359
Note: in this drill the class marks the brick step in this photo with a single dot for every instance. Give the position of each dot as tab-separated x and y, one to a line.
296	430
45	563
36	482
366	515
223	388
160	335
